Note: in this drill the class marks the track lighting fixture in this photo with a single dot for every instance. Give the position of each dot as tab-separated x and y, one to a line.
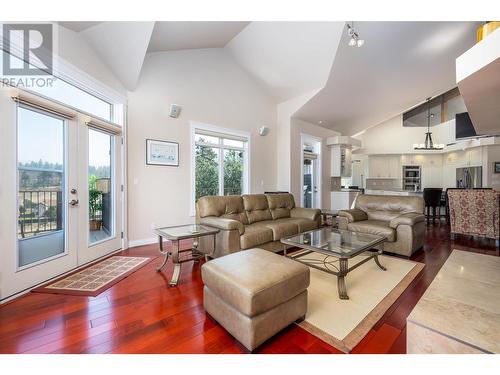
354	40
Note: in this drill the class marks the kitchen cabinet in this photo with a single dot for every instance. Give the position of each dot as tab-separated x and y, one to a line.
343	200
341	165
384	166
432	167
470	158
474	157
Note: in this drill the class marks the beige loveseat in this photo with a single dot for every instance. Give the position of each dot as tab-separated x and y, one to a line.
257	220
398	218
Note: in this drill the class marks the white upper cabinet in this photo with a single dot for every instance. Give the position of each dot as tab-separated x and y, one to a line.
474	157
384	166
341	165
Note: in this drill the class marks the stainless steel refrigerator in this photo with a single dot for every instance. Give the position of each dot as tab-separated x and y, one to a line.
470	177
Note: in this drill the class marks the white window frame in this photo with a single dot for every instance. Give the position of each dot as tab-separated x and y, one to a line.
218	131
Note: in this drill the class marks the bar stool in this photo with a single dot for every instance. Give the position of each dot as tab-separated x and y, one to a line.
432	198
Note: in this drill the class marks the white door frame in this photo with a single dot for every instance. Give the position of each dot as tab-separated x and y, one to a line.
15	280
318	146
89	252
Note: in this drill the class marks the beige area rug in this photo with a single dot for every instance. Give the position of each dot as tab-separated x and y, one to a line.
93	280
343	323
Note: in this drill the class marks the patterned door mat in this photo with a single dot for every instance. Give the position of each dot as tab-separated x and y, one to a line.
95	279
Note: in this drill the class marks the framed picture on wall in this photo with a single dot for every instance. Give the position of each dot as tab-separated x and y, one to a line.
162	153
497	167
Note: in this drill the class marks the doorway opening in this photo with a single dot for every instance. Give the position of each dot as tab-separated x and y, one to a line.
310	171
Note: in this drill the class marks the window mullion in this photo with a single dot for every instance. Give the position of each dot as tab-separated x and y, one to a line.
221	169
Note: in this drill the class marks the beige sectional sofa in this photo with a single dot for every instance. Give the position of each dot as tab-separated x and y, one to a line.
256	220
399	218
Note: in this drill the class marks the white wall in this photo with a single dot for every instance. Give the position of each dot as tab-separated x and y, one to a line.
285	111
298	127
390	137
211	88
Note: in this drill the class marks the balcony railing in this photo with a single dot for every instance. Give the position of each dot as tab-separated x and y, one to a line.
39	211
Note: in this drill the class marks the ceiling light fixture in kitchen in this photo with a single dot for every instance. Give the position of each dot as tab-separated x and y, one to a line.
428	145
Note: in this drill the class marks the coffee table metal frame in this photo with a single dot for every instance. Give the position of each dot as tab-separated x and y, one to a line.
343	267
175	251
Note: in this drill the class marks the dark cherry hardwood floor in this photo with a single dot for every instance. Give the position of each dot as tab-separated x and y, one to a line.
141	314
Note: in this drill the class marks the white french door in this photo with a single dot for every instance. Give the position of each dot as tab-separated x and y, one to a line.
100	197
60	193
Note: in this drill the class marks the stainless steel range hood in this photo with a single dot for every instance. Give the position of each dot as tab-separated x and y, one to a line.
478	79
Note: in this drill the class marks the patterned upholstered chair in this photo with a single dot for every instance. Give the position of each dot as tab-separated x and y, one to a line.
475	212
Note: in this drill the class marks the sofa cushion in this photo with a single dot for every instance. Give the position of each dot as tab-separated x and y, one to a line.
282	228
280	205
256	234
254	281
377	227
228	207
387	207
303	224
411	218
256	208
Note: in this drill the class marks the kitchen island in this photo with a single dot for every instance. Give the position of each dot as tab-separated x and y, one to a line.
394	192
342	199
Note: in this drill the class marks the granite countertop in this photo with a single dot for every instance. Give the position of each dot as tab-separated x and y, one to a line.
346	191
463	301
399	190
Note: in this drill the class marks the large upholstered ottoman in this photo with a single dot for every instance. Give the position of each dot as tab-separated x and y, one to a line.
255	293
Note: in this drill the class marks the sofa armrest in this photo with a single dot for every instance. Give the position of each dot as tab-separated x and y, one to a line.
222	223
305	213
410	218
353	215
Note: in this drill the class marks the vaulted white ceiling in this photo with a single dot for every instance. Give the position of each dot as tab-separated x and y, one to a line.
288	58
122	46
171	36
400	65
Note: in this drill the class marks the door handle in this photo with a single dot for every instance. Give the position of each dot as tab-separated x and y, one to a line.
73	202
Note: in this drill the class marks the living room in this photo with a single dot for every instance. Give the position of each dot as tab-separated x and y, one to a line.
251	184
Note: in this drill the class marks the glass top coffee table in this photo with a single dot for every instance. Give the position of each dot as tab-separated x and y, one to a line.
174	235
335	247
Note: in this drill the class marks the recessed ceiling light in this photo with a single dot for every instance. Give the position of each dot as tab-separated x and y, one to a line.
320	122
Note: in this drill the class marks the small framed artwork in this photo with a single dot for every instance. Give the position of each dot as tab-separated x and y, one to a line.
497	167
162	153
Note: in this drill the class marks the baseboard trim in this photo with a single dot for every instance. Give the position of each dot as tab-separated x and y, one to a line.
142	242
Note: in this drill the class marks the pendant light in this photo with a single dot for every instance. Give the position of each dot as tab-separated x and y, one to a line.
429	145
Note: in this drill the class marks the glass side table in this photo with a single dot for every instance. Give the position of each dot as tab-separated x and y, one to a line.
174	235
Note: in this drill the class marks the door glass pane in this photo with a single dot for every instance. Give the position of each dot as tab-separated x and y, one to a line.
206	171
41	174
307	183
233	172
100	187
